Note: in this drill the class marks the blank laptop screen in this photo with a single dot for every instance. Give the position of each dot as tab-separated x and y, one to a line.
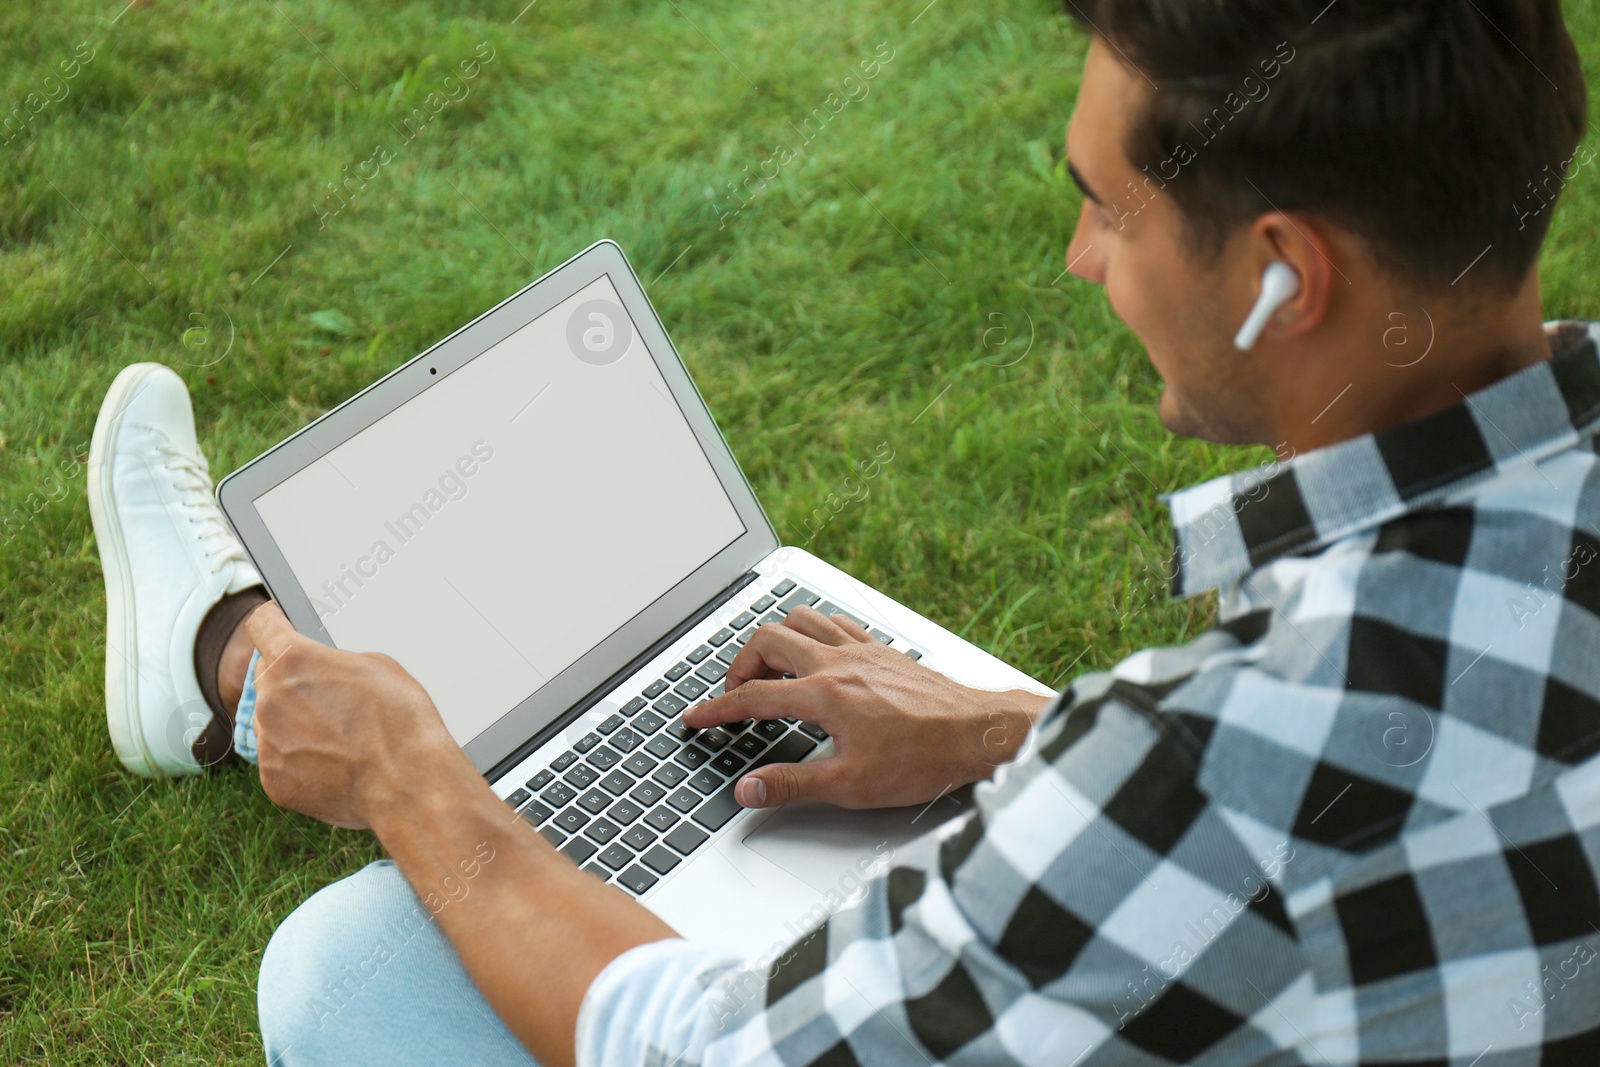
493	529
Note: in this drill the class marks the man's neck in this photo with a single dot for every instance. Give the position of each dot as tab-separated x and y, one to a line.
1450	352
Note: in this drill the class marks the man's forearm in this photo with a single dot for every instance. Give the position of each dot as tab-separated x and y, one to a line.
532	929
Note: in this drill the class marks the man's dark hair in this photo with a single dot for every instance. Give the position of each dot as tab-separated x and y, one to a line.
1432	129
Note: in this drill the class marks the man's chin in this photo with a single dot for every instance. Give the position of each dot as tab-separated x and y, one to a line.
1182	421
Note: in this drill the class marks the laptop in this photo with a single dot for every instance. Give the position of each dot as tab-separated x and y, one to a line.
540	520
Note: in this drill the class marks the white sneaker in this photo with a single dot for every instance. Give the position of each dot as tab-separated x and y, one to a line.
168	556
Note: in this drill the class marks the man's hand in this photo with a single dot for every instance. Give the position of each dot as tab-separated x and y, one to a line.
341	734
904	734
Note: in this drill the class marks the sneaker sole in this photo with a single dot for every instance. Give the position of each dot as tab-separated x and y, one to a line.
122	651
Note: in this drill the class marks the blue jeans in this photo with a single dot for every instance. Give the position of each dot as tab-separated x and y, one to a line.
361	973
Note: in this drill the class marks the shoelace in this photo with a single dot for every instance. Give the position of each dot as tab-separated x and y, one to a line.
194	483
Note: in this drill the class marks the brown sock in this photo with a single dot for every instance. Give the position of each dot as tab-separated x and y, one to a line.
215	744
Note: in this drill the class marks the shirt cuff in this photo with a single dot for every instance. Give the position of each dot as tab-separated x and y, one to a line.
652	1004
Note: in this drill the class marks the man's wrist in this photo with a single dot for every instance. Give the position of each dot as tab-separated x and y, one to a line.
1001	725
426	770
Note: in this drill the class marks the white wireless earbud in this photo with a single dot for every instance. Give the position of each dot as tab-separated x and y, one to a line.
1279	285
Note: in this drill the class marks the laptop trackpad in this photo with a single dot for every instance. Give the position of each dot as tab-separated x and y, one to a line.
815	842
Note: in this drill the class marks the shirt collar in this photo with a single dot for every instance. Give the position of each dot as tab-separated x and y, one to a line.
1227	527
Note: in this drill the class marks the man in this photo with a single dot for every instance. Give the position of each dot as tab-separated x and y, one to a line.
1353	823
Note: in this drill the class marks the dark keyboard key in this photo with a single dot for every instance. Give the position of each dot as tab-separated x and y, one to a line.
741	620
686	838
602	830
587	741
721	637
691	688
637	879
552	835
648	723
647	793
738	727
669	774
795	599
558	794
610	723
670	705
830	609
727	763
684	799
681	730
749	744
603	758
881	636
623	812
662	745
518	798
763	604
596	870
662	817
791	749
625	740
616	783
713	671
577	850
594	801
714	740
638	764
655	688
715	692
692	756
718	808
705	781
634	706
571	819
542	779
616	857
698	654
790	719
767	729
678	670
536	813
660	860
581	776
782	587
771	618
640	837
563	761
813	731
727	653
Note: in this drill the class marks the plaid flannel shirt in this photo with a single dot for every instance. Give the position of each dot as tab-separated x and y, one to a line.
1356	822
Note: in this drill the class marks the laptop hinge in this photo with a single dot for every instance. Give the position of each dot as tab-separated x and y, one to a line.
599	692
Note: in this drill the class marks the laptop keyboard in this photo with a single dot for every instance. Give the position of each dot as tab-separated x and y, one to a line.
635	796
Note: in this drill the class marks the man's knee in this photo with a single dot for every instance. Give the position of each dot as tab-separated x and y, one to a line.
330	954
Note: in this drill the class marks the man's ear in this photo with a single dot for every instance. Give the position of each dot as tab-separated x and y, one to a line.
1298	242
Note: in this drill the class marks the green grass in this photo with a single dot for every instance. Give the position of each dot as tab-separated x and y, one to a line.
141	217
